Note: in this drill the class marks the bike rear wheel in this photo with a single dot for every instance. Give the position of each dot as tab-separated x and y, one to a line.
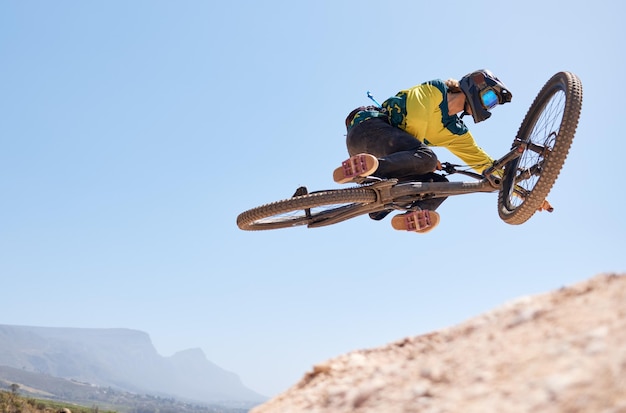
314	209
545	136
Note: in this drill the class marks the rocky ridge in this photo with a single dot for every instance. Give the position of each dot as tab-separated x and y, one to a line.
563	351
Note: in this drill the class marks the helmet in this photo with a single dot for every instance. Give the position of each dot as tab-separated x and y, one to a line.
483	92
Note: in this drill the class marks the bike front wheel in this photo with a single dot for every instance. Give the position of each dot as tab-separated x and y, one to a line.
313	210
545	137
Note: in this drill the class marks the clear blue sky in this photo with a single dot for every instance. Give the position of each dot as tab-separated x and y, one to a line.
134	132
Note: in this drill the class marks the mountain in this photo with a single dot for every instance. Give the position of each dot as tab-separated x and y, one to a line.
121	359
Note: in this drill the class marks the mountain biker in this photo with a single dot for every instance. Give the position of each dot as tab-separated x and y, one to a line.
392	141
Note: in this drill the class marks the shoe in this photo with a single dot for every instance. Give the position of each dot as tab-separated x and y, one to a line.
357	166
421	221
379	215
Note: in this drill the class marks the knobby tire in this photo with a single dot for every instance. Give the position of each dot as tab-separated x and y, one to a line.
303	209
548	129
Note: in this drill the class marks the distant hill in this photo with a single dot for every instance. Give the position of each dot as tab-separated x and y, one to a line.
121	359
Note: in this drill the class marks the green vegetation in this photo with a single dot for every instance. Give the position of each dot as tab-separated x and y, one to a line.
115	402
12	402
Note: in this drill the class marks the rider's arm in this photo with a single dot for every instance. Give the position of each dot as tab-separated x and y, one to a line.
465	147
424	110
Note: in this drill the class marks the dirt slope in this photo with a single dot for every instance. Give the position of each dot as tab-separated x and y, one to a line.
559	352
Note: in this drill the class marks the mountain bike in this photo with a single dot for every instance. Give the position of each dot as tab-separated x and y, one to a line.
523	177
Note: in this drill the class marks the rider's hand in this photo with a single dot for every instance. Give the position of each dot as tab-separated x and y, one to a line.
439	167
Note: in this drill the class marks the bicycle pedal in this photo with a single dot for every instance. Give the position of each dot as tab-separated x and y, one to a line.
300	191
357	166
417	221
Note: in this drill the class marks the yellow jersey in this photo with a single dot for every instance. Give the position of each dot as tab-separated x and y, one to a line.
422	111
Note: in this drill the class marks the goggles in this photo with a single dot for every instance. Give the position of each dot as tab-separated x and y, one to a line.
488	98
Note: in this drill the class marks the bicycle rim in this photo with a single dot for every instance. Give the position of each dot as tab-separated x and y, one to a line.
546	135
314	209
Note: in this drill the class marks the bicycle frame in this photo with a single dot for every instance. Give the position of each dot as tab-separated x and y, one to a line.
487	182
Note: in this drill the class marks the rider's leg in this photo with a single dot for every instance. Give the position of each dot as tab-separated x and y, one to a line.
419	160
399	153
